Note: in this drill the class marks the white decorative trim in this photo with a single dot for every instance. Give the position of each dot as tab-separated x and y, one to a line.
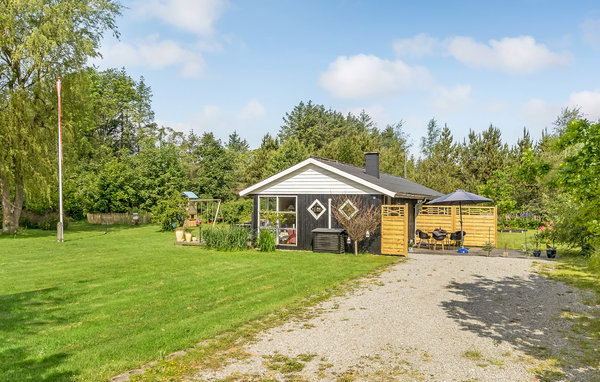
341	209
310	209
322	165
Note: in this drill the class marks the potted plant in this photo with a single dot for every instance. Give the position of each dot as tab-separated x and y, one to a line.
527	249
537	252
188	234
547	235
411	246
179	233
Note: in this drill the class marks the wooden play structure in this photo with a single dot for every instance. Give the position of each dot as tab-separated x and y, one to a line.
202	211
479	223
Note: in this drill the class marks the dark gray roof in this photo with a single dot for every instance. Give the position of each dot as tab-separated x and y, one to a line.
401	186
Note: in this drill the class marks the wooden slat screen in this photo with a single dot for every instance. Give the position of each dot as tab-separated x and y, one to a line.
479	223
394	229
118	218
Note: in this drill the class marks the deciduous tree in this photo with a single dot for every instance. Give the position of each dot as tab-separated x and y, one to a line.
357	225
39	42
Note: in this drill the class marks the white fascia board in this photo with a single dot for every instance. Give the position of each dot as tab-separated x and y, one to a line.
322	165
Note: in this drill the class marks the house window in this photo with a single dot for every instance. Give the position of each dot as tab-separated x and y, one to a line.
316	209
348	209
278	213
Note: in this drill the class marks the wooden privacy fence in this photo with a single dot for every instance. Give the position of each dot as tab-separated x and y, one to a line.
479	223
394	229
121	218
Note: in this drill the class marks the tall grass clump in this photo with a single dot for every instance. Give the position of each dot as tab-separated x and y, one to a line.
594	263
266	241
226	238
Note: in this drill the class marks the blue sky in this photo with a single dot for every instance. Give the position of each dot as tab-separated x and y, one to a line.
216	65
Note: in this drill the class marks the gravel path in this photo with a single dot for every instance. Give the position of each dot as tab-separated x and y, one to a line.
431	318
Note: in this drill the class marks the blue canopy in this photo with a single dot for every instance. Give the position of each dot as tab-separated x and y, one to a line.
460	197
189	194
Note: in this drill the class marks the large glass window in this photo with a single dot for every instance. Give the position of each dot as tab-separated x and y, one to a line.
278	213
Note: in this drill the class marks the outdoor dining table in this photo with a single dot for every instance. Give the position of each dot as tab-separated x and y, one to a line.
446	239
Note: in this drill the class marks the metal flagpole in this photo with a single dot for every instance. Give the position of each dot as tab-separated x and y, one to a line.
59	228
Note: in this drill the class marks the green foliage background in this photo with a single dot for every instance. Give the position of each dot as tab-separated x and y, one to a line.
118	159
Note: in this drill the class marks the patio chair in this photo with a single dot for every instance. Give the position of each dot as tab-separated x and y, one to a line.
423	236
439	236
455	236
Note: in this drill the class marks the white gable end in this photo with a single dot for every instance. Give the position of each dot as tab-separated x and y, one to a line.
311	179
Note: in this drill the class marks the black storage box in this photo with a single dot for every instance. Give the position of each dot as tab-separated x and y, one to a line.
328	240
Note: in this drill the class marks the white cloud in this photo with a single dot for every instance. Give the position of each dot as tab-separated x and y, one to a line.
418	46
221	121
196	16
451	101
539	113
589	103
154	54
367	76
519	55
253	110
211	112
590	30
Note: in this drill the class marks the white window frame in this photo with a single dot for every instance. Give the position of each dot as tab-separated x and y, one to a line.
277	228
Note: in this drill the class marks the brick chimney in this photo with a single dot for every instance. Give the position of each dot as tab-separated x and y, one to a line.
372	164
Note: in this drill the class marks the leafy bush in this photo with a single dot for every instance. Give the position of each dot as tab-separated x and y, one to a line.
170	213
226	238
519	220
266	241
237	211
47	221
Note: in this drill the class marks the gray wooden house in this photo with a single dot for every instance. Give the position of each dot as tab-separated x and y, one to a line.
302	197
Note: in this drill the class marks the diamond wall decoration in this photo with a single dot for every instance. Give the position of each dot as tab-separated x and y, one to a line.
316	209
348	209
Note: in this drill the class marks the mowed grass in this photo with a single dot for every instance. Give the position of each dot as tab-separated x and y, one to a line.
100	304
515	240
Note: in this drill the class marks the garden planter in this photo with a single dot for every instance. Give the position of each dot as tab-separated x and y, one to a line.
188	237
537	252
551	253
179	234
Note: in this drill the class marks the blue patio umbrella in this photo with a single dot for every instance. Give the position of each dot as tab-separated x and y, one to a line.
460	197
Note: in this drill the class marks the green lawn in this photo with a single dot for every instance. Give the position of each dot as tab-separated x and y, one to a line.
100	304
515	240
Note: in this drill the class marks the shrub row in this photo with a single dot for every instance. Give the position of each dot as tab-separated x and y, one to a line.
47	221
226	238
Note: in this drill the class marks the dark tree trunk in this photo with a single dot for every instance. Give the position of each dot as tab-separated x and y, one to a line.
11	210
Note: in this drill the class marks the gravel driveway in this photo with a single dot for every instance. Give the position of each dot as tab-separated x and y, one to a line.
431	318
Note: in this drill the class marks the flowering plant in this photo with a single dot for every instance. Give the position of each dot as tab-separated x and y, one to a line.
546	234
